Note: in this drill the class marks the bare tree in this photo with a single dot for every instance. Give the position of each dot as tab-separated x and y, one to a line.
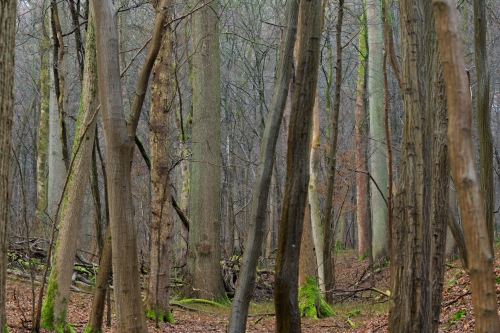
244	289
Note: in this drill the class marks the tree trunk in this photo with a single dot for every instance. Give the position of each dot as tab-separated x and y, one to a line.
328	226
298	154
204	273
316	225
158	293
119	137
307	258
246	280
56	166
410	255
378	150
119	148
101	286
102	289
59	66
480	257
483	115
455	225
55	305
361	129
7	44
42	222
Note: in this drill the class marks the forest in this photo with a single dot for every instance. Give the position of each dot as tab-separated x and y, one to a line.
249	166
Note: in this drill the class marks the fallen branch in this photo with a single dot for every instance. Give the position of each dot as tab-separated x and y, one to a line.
456	299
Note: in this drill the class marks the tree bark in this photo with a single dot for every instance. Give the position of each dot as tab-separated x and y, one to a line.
316	225
55	305
410	255
246	280
361	129
483	116
378	150
480	257
7	44
204	274
328	226
42	222
297	180
158	293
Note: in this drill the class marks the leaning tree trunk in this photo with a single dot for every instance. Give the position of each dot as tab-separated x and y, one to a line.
378	151
483	115
55	305
297	179
204	272
479	254
246	280
7	44
158	292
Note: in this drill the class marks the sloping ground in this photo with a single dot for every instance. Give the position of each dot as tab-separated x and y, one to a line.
358	308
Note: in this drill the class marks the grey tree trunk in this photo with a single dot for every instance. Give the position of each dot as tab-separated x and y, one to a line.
7	44
204	273
246	280
361	129
55	161
378	150
42	222
297	179
316	225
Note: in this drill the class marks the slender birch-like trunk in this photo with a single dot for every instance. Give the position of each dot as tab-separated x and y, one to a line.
316	225
361	129
378	150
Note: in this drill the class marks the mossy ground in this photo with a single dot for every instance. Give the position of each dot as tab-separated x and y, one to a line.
311	302
163	315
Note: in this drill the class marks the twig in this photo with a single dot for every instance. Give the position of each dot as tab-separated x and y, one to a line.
456	299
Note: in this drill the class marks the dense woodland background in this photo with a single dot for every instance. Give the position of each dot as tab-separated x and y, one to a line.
48	115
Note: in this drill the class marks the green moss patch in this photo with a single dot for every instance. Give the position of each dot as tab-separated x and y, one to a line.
311	302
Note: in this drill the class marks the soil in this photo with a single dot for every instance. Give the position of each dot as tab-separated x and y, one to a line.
358	307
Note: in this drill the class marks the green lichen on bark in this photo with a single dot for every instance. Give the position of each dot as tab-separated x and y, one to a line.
311	302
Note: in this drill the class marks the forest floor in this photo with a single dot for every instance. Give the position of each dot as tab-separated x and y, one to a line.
358	308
